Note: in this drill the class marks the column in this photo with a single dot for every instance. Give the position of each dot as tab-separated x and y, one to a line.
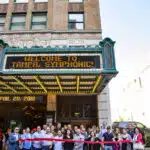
29	15
50	14
9	14
51	107
104	111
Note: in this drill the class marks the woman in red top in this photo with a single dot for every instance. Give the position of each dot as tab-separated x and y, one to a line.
138	143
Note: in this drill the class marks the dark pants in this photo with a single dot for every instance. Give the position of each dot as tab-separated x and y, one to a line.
13	147
26	149
1	145
45	147
37	148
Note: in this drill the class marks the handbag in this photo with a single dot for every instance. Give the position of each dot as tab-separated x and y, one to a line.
138	146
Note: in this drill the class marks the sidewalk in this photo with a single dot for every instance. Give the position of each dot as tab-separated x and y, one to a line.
148	148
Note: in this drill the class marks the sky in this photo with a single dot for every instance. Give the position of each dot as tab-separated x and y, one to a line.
127	22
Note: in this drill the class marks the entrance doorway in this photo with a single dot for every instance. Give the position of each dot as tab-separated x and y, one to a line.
77	109
22	115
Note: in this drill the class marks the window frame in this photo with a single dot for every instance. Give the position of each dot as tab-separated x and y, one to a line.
15	1
2	24
40	1
38	22
76	2
76	22
17	23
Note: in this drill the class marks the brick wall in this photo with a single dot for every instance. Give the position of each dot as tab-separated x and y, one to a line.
92	14
57	13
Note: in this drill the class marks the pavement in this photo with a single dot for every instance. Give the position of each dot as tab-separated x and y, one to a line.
148	148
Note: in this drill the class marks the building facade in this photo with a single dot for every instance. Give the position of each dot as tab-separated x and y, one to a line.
54	64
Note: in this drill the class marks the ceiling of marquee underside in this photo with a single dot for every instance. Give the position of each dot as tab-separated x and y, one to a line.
44	84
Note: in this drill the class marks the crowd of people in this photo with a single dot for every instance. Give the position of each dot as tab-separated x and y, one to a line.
16	141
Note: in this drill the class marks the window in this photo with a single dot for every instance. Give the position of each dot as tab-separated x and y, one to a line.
40	1
140	125
39	20
76	21
21	1
75	1
18	22
2	22
4	1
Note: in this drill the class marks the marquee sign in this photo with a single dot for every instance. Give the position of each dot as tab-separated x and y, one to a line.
52	61
21	98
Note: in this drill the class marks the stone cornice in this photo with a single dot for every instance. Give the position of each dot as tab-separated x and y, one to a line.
50	39
53	32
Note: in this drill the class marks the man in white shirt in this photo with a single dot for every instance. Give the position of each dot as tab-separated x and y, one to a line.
46	145
37	145
44	129
78	136
58	145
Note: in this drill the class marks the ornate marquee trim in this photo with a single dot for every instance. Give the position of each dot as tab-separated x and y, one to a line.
49	39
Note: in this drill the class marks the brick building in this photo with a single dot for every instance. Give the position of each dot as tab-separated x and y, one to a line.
54	63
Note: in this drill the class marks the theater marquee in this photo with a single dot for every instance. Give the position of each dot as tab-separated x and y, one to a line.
52	61
21	98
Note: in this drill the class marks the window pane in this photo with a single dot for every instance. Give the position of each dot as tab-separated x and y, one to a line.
4	1
21	1
76	26
18	22
40	0
2	19
18	19
39	21
75	17
79	26
39	18
17	27
39	26
1	27
139	125
75	1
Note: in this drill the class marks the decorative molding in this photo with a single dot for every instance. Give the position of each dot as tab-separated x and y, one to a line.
49	39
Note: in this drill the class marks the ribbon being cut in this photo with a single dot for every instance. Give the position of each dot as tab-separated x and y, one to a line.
72	141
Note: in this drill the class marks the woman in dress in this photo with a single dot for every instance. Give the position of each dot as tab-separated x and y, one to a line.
125	136
93	138
68	136
117	138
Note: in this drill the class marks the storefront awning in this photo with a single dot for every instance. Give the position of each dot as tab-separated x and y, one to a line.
57	70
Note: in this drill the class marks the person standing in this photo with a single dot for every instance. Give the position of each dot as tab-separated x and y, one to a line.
116	138
138	143
37	145
58	126
102	131
1	139
46	145
131	133
26	145
68	136
108	137
53	130
78	136
125	136
58	145
93	138
43	131
7	134
14	140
